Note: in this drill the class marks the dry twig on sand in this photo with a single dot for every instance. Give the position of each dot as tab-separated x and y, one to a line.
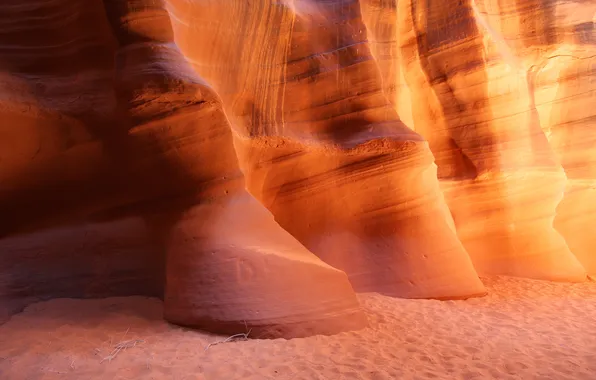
53	371
120	347
123	345
243	336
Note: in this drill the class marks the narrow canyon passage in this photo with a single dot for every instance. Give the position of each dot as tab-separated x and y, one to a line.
468	67
322	147
255	164
297	189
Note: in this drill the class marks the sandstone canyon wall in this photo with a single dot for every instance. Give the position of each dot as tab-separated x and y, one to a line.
400	147
493	112
501	178
322	147
108	122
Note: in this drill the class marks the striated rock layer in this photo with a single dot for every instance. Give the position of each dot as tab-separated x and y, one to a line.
564	87
390	146
150	140
474	101
322	147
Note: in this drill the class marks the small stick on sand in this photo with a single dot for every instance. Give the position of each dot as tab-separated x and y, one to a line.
243	336
121	346
54	371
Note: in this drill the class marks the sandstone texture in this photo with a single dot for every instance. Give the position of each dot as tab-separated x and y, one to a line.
256	163
151	142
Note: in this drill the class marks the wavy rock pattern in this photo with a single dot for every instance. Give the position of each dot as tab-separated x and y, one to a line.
564	77
500	176
322	147
163	150
406	144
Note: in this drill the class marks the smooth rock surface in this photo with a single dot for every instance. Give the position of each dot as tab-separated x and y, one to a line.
152	142
322	147
397	147
501	178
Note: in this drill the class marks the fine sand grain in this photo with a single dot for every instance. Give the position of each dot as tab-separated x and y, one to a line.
523	329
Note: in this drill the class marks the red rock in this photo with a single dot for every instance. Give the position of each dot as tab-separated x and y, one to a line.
322	147
390	146
163	150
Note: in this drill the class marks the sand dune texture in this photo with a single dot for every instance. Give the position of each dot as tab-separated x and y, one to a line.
524	329
256	163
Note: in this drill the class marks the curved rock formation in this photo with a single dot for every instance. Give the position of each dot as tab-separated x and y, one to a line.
322	147
152	140
131	125
564	84
501	179
382	24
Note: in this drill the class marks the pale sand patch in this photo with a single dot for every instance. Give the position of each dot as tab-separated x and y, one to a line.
522	330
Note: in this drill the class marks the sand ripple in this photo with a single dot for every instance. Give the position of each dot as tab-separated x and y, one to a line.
522	330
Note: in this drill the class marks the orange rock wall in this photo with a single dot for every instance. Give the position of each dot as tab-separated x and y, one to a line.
404	146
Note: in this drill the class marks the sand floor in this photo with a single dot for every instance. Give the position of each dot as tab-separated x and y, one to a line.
523	330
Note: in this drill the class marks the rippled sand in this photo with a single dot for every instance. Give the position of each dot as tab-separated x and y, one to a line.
522	330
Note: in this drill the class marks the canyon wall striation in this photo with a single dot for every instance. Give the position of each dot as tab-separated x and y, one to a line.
254	163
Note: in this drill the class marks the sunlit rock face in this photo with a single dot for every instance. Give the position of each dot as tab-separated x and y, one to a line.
320	144
382	24
553	43
564	75
471	69
254	162
118	157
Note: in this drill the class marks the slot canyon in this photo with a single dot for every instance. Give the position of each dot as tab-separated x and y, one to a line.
298	189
